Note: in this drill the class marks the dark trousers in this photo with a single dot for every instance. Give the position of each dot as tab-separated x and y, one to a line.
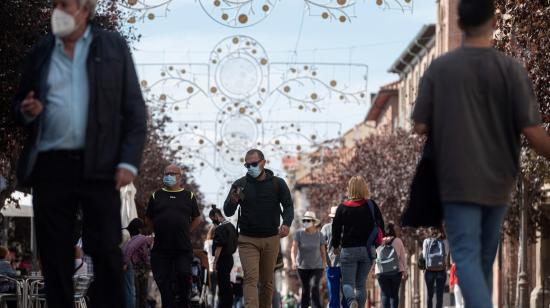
389	284
435	281
58	190
310	279
142	277
225	291
172	273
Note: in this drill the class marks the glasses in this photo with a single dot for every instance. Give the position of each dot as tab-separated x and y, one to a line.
248	165
171	173
307	220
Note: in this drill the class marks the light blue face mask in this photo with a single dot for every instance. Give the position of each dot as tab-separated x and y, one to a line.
169	180
254	171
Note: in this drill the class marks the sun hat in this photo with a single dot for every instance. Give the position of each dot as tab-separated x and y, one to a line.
311	216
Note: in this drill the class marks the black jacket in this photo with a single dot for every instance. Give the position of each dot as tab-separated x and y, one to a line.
261	206
355	218
116	126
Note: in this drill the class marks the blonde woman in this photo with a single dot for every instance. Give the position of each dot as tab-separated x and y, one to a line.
355	229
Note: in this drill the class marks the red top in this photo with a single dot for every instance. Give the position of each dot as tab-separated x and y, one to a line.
453	279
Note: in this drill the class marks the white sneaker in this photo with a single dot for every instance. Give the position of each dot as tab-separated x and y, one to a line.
353	304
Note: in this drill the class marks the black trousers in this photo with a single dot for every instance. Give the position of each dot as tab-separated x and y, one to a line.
225	291
311	284
58	190
172	273
435	283
389	284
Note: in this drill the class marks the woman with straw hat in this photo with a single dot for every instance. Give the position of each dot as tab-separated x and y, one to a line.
309	257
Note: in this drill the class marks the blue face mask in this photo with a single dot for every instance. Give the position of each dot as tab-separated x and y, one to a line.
169	180
254	171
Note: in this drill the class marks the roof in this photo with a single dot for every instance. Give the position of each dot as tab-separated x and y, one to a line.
423	40
381	99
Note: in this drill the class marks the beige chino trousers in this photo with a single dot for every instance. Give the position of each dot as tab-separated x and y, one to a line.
258	257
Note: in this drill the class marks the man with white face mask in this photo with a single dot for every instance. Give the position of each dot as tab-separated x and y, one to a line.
81	103
260	195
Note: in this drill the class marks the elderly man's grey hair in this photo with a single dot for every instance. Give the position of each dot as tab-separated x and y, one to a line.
90	4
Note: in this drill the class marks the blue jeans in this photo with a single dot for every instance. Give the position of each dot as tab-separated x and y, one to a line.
474	232
355	263
389	285
334	276
435	283
129	287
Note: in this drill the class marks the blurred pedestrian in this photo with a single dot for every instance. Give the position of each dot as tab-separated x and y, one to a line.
174	214
81	103
455	288
435	253
137	254
309	251
224	246
333	270
391	267
474	102
260	195
356	229
211	270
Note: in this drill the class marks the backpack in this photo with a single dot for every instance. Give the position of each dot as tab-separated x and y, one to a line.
387	261
435	255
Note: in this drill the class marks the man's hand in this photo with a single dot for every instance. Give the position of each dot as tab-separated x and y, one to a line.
30	106
123	177
294	266
336	251
235	197
404	276
283	231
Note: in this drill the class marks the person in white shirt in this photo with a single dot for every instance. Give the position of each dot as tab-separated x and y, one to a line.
80	267
213	276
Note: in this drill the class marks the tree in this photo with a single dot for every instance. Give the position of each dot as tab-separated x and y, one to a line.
524	33
387	162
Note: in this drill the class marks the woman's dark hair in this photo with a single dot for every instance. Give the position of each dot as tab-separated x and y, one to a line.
214	211
390	230
134	226
474	13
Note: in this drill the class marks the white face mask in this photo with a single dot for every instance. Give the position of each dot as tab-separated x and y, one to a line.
63	24
307	224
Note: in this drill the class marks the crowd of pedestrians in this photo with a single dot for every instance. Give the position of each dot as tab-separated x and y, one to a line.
81	103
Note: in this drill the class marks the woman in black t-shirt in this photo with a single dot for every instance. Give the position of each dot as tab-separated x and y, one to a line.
223	247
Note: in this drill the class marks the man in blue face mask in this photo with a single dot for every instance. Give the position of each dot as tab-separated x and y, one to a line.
174	214
260	195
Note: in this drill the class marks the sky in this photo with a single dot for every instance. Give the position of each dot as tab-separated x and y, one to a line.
375	38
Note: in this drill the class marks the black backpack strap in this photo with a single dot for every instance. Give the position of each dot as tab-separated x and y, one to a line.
241	183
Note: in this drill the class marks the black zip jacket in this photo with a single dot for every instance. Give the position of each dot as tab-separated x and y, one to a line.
355	218
261	208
